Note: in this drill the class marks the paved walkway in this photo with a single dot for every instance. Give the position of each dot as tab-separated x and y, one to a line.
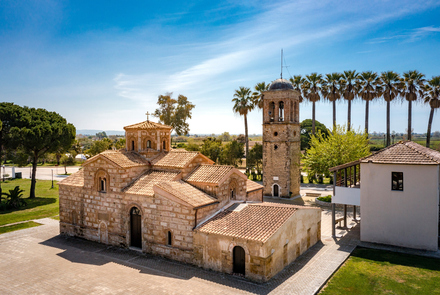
39	261
43	173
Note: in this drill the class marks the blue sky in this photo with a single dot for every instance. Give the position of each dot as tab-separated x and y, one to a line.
102	64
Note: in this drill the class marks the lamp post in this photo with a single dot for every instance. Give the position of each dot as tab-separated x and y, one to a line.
30	172
384	144
52	178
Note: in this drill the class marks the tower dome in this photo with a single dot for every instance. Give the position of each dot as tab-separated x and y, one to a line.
280	84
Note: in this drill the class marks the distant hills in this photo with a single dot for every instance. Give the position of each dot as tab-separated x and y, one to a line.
93	132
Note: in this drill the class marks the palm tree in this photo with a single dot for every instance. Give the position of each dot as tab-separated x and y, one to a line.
297	82
413	81
368	91
392	85
257	95
311	91
433	98
331	90
350	91
243	105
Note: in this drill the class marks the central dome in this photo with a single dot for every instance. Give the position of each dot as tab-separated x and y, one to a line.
280	84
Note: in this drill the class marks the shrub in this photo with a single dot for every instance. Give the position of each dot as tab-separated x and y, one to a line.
14	199
327	199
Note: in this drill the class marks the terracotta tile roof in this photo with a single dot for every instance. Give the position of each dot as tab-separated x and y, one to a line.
187	193
76	179
257	222
209	173
252	186
147	125
177	159
144	184
122	158
406	152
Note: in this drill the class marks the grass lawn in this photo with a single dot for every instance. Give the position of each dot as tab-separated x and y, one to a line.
8	228
370	271
44	205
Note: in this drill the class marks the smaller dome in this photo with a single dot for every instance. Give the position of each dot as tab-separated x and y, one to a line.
280	84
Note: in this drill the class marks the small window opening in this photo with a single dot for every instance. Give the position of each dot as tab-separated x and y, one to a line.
397	181
103	184
275	134
232	194
281	112
149	144
132	145
169	240
275	147
271	111
164	144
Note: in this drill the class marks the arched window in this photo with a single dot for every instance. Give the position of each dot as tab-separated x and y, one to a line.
238	260
149	144
164	145
102	184
271	111
169	238
132	145
233	193
276	190
281	112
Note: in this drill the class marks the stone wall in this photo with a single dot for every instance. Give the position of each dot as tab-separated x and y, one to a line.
255	196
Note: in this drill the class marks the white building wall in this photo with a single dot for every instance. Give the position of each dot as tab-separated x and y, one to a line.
407	218
347	195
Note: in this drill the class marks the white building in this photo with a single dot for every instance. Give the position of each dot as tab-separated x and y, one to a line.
398	194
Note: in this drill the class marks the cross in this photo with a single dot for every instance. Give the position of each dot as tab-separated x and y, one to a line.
148	114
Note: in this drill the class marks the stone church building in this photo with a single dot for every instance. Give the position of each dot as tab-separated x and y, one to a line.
182	206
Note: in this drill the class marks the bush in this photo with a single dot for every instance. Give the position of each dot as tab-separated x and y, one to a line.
327	199
14	199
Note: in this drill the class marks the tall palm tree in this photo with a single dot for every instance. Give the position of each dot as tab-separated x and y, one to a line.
331	90
433	98
297	82
368	91
350	91
312	88
413	81
243	105
392	85
257	95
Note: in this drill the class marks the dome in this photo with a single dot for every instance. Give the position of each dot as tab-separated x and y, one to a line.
280	84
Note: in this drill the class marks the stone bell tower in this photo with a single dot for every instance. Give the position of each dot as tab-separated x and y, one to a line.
281	140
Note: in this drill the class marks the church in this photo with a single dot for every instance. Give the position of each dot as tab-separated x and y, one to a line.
180	205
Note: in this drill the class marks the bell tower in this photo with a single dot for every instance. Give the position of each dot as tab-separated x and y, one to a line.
281	140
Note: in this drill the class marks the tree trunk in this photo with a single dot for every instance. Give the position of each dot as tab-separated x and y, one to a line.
313	118
367	108
334	114
409	118
428	133
246	138
34	173
388	123
349	116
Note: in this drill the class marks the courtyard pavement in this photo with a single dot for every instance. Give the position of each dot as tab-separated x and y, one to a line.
43	173
39	261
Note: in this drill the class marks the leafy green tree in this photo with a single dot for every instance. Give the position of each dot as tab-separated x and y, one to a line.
212	148
11	115
340	147
98	146
14	199
192	147
391	89
350	91
432	97
120	143
225	136
257	95
306	132
174	113
413	81
67	161
232	153
101	135
255	158
243	105
44	132
368	91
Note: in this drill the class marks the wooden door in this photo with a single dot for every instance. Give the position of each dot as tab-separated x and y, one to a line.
239	260
275	190
136	231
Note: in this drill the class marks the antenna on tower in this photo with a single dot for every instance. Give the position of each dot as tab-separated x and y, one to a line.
281	63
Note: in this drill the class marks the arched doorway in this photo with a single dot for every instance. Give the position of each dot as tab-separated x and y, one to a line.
276	190
135	228
239	260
